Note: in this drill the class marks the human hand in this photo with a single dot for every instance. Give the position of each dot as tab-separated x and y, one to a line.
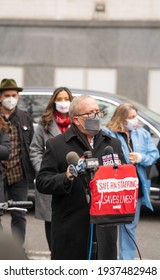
69	174
135	157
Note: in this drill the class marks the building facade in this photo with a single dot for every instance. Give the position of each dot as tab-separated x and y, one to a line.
111	45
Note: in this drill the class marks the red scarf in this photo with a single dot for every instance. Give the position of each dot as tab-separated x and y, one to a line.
63	122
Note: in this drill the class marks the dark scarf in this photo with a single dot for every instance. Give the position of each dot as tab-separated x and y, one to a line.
63	122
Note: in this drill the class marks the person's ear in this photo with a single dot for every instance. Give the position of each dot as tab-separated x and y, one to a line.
76	121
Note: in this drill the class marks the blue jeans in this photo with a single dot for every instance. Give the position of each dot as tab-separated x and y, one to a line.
127	232
17	192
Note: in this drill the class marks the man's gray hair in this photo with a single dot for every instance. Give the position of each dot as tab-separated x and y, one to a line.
75	106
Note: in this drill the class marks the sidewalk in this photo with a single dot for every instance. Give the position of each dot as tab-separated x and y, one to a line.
35	245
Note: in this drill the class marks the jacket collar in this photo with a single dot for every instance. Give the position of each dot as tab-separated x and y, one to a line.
73	132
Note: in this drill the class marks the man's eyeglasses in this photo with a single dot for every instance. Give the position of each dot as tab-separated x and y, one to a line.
92	115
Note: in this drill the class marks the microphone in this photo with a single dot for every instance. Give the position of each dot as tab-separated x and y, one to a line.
91	164
108	150
86	164
72	159
109	158
76	164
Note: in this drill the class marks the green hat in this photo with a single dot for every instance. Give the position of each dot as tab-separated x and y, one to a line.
9	84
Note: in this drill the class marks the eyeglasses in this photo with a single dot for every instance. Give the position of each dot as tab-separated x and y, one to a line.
92	115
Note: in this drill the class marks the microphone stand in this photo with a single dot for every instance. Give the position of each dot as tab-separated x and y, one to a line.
93	248
91	167
115	165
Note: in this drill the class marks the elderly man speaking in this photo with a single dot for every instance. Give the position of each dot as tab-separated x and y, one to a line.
70	209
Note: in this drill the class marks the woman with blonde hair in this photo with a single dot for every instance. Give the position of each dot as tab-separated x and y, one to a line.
140	150
54	120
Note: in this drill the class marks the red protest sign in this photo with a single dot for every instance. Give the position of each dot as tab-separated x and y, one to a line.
114	194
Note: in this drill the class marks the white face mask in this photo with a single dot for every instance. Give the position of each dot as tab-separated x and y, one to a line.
131	123
62	107
9	102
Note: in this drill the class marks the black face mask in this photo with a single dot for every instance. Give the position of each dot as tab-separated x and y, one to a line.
92	126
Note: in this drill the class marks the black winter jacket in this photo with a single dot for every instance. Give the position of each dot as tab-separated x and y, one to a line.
5	147
70	210
22	120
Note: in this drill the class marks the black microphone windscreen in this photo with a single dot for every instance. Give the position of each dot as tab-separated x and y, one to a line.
108	150
87	154
72	158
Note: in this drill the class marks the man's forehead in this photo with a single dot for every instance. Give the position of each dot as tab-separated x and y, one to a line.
9	92
89	103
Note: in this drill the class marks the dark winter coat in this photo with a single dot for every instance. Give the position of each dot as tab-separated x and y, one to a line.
70	210
23	121
5	149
